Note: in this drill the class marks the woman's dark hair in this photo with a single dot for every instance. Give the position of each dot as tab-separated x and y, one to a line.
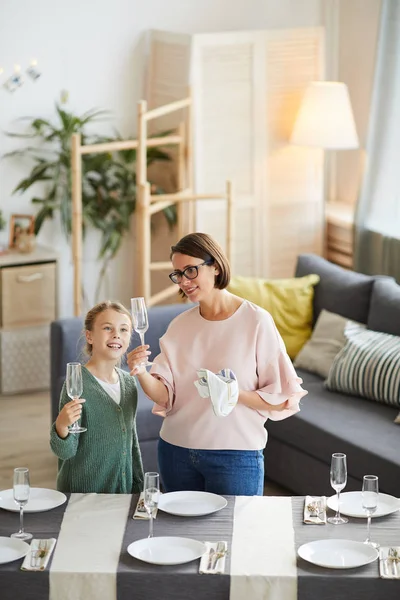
201	245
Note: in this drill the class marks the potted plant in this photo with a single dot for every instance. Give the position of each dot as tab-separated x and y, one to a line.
108	179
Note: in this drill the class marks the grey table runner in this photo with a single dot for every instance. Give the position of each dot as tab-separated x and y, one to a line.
178	582
140	580
363	583
28	585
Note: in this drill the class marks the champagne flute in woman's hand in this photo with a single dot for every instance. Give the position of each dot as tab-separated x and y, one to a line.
151	496
74	387
338	482
370	497
140	320
21	496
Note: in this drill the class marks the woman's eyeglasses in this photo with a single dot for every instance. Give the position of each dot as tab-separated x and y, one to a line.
190	272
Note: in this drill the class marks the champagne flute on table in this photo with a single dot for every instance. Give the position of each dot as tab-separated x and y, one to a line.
370	497
74	387
140	321
338	482
151	491
21	489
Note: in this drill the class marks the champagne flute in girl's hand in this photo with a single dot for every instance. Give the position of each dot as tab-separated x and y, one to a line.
338	482
370	496
140	320
74	387
151	496
21	497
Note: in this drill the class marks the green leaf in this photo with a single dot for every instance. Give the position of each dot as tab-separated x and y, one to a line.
44	213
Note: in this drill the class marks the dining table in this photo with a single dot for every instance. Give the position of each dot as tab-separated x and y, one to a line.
91	561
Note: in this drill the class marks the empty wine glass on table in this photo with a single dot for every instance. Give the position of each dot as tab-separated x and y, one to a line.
338	482
21	496
370	497
140	321
74	386
151	491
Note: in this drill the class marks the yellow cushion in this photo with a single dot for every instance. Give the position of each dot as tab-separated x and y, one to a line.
289	301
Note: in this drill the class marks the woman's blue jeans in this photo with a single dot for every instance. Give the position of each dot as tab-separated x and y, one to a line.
226	472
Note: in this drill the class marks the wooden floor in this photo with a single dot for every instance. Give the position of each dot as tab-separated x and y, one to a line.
24	439
24	442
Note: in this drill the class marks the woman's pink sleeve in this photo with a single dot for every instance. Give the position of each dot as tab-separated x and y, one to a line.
278	380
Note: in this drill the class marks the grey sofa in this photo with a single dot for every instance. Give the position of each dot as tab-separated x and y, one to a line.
299	449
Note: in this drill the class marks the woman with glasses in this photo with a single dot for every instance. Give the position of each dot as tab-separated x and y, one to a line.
198	450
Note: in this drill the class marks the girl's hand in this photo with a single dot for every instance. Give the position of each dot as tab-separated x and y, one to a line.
137	358
70	413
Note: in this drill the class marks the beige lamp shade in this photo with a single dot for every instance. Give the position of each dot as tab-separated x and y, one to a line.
325	118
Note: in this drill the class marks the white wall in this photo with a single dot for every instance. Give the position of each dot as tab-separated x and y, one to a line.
95	49
358	35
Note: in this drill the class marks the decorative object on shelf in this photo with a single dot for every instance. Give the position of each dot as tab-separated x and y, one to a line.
20	225
26	242
16	80
109	179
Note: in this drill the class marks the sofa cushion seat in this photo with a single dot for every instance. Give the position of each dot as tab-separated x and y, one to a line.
333	422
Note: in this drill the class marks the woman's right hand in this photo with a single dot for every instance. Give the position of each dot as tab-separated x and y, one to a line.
70	413
137	359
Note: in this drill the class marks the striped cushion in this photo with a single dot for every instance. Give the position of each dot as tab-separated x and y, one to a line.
368	365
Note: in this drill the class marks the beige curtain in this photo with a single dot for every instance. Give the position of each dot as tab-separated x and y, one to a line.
377	226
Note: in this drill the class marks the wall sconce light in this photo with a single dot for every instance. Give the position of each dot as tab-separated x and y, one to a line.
33	71
16	80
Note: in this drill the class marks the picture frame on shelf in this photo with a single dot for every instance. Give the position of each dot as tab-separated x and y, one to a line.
20	224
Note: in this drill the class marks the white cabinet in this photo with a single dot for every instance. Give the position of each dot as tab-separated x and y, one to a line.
246	89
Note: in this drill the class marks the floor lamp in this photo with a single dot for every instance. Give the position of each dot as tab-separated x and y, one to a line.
325	120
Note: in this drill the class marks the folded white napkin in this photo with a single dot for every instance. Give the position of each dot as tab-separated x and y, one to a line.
222	388
213	561
140	511
315	510
38	555
389	562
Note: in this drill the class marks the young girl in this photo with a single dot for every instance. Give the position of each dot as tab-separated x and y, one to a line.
106	458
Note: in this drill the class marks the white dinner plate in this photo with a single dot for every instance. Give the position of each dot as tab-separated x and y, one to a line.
338	554
351	505
191	504
12	549
167	550
40	500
